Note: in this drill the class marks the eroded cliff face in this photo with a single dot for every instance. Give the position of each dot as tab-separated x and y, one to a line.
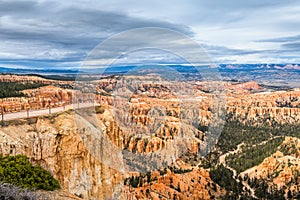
281	106
86	165
54	142
195	184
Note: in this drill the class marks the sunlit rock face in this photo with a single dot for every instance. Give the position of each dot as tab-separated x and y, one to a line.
55	143
195	184
281	106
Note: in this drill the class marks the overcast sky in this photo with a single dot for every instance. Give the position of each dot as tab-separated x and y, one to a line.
61	34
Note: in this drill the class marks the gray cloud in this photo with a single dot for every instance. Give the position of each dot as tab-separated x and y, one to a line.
292	46
19	7
223	51
288	48
49	30
282	39
65	32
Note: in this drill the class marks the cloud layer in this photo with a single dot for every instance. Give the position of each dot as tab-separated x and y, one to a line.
60	34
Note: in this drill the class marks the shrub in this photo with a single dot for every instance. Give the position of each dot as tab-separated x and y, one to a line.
17	170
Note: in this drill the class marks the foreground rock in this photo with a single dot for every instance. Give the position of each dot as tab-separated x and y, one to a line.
54	143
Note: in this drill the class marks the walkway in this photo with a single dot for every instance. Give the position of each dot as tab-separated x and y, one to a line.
35	113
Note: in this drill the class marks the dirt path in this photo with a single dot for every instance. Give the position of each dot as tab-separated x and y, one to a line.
222	160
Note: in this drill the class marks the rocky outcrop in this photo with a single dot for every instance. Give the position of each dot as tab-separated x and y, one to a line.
195	184
42	98
54	143
29	79
69	151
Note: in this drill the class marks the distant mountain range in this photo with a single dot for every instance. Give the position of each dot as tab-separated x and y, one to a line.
124	69
36	71
287	75
261	66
